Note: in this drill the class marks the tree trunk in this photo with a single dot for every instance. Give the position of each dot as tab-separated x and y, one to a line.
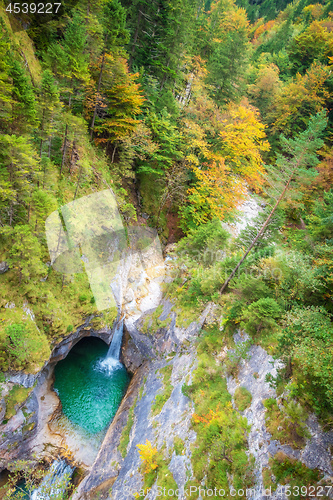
260	233
72	153
64	148
135	39
289	368
66	130
11	213
113	153
28	67
42	130
97	99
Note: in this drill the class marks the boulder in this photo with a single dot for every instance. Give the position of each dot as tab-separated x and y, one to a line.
3	267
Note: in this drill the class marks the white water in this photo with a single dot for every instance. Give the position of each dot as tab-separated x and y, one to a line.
114	349
111	362
55	482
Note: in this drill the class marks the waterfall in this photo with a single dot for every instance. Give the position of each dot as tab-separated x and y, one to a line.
114	349
111	362
55	482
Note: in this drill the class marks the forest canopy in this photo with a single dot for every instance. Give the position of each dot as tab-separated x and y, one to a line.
185	109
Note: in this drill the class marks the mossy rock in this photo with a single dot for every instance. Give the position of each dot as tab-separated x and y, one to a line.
14	399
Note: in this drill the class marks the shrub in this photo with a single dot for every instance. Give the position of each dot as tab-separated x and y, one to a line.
148	456
23	347
260	316
242	398
205	243
307	338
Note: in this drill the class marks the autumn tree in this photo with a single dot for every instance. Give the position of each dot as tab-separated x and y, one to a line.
115	34
291	169
243	142
264	92
299	99
315	43
148	456
120	102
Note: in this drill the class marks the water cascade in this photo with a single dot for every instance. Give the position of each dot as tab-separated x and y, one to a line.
55	482
91	383
114	349
111	362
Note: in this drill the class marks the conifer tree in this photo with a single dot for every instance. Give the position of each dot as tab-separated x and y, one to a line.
24	112
48	102
114	34
19	169
229	48
6	89
299	156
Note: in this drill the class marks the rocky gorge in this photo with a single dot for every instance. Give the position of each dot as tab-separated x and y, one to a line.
162	357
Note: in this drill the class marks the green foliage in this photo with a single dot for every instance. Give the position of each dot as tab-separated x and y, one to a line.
286	422
211	340
234	357
23	347
160	473
124	438
307	338
26	475
178	444
321	220
271	234
242	398
206	243
24	108
24	253
221	431
152	323
69	59
290	471
19	169
260	316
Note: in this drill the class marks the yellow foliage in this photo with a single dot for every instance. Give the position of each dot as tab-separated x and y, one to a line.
148	456
243	141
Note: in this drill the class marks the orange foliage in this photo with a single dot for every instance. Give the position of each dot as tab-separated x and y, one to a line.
264	27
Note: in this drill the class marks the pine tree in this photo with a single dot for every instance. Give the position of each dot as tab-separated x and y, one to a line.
229	48
114	34
6	89
19	169
24	112
48	102
299	156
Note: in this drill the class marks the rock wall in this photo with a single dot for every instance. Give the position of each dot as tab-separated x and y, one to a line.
148	354
21	433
